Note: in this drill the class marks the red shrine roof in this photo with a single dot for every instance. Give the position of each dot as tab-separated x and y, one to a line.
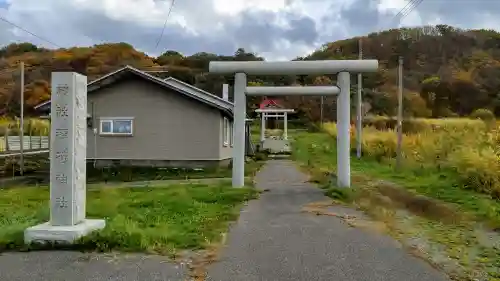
269	103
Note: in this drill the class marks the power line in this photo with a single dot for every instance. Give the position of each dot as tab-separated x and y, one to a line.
165	24
415	5
29	32
397	17
404	10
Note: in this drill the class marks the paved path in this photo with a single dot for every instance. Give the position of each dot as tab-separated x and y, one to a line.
273	240
75	266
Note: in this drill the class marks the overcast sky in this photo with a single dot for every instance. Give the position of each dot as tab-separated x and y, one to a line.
276	29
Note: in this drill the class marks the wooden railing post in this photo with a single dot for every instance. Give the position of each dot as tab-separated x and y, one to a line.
7	139
41	143
30	134
21	148
48	136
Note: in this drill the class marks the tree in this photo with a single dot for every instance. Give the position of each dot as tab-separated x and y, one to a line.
436	94
453	71
169	57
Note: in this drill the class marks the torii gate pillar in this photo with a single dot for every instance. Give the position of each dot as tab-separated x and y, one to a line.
285	126
262	127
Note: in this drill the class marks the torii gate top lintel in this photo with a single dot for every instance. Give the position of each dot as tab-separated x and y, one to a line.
321	67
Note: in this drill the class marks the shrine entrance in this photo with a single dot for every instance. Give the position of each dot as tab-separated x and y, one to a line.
274	139
342	68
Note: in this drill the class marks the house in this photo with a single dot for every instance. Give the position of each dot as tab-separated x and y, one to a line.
136	119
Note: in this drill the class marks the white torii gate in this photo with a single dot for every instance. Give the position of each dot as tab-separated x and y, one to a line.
243	68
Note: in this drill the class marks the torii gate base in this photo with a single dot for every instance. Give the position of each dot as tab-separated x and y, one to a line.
342	67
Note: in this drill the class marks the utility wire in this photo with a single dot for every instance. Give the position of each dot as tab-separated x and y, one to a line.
408	11
165	24
29	32
404	11
397	17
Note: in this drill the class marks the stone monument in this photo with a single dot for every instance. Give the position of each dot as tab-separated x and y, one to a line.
68	149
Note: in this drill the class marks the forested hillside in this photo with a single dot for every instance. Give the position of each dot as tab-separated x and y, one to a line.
447	71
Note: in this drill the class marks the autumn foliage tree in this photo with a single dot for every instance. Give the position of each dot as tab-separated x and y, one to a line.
448	71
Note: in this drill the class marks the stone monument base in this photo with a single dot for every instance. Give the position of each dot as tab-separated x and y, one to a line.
46	232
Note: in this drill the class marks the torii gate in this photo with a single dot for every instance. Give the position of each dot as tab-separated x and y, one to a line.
270	108
342	68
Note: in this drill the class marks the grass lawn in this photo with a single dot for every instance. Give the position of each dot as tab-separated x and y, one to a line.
159	220
429	211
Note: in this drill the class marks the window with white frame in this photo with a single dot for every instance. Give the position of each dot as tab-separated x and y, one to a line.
225	131
117	126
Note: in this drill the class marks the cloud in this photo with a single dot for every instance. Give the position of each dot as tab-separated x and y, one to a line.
277	29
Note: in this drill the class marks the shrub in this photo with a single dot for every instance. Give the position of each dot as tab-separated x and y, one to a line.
483	114
417	125
478	168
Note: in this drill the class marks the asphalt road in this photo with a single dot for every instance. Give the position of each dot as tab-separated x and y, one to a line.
273	240
75	266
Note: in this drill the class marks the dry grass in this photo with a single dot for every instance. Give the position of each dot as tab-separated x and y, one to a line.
33	126
468	147
198	268
416	125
